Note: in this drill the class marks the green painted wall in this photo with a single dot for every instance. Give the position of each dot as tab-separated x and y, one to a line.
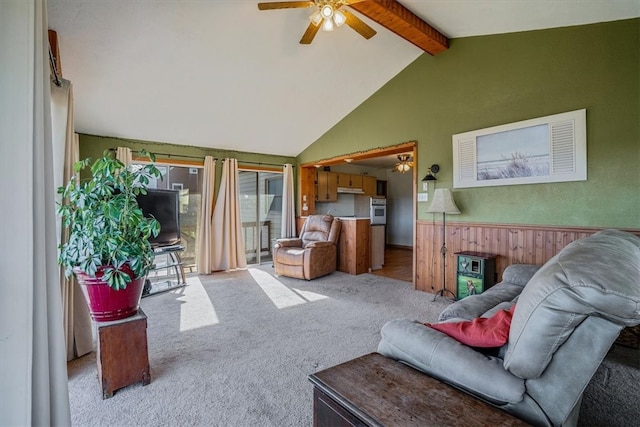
491	80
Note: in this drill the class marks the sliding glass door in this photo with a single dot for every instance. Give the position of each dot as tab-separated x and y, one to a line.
261	212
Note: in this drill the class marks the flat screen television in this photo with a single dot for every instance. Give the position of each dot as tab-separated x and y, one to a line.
164	206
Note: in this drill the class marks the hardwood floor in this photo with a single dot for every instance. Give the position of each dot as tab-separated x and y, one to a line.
397	264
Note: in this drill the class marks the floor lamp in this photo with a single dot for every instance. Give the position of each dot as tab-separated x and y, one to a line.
443	203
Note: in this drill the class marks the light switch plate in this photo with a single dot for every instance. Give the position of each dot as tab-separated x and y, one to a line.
423	197
425	186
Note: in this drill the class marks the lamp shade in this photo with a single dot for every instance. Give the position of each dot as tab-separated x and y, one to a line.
443	202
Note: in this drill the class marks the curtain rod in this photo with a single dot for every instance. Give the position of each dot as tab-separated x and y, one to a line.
202	158
167	154
261	163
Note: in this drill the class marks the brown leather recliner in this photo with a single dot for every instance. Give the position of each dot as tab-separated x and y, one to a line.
313	254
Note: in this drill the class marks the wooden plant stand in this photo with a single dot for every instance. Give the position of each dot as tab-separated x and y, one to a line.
122	355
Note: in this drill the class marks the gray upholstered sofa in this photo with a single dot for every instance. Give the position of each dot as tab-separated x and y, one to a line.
568	314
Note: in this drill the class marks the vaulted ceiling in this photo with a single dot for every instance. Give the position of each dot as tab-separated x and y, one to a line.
223	74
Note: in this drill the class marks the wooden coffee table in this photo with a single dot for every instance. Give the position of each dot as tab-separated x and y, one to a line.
374	390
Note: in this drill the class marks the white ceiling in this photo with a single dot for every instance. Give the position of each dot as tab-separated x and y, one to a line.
222	74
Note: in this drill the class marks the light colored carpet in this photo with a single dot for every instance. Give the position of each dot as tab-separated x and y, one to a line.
235	349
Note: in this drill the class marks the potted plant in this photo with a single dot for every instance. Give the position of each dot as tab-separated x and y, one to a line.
108	247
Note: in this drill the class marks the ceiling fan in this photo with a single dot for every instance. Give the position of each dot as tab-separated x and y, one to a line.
404	164
329	14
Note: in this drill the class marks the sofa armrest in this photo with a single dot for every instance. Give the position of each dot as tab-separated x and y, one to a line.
450	361
286	243
514	278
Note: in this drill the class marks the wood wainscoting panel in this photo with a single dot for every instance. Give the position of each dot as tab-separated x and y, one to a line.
513	244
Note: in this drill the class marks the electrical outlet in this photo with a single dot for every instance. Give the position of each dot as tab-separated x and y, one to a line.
423	197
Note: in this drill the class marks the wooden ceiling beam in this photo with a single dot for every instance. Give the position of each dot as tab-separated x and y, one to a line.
397	18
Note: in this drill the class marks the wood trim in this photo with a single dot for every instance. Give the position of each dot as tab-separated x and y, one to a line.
512	243
306	188
369	154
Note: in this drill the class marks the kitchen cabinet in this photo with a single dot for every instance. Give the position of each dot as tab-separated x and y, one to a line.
346	180
369	185
326	186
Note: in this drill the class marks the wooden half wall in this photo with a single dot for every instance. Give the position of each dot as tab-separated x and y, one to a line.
513	244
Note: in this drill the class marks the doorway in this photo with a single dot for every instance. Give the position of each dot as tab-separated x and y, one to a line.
401	220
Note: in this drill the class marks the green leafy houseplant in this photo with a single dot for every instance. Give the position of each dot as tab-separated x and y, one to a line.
108	232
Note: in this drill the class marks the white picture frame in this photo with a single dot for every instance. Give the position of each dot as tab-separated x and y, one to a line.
542	150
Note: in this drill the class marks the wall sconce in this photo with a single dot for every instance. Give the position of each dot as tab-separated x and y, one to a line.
430	173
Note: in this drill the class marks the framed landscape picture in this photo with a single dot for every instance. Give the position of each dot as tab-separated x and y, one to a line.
546	149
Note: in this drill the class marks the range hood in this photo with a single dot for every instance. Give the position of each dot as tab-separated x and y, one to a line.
350	190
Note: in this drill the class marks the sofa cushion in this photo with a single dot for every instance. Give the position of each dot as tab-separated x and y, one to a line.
597	275
484	332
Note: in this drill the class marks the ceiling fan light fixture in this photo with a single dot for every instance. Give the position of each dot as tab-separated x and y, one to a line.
327	25
316	18
326	11
404	165
339	18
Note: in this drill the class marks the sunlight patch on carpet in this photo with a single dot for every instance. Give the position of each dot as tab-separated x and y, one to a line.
310	296
197	309
279	294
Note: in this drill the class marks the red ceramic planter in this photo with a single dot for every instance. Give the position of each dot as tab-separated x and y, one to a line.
105	304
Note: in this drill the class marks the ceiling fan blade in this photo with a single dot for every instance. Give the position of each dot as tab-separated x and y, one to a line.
358	24
284	4
348	2
311	32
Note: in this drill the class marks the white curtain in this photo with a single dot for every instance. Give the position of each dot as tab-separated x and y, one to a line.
228	246
288	208
76	320
124	155
33	370
205	230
